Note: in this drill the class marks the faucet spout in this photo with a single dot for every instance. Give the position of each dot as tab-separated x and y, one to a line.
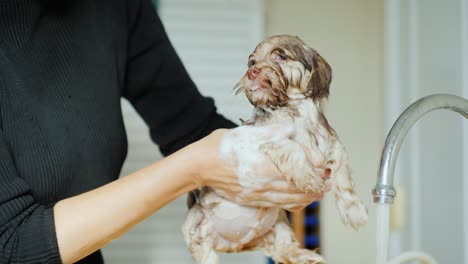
384	191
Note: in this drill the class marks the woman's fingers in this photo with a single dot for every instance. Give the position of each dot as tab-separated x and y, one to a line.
290	206
263	184
268	204
278	199
295	209
283	186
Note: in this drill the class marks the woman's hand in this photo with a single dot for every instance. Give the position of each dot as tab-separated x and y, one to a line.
255	182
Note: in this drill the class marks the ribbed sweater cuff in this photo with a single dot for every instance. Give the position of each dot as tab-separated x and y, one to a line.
38	238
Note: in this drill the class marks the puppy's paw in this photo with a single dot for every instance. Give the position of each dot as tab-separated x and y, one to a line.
357	215
353	213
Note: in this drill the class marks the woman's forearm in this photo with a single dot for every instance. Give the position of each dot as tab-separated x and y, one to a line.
87	222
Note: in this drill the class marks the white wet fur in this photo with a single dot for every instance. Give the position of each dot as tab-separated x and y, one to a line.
218	225
244	143
287	119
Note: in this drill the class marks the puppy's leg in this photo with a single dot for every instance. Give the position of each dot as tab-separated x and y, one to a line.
290	159
281	245
196	235
352	211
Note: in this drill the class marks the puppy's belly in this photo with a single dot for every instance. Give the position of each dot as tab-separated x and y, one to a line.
241	224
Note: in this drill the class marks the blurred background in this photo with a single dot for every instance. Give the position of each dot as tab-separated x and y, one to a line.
385	55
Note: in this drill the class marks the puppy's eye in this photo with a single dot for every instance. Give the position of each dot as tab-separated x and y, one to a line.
252	63
281	57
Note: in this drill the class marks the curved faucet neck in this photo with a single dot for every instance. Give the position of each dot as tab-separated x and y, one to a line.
384	191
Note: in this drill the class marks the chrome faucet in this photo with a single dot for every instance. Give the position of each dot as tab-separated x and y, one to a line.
384	191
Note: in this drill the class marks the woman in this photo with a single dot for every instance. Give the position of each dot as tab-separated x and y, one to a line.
64	66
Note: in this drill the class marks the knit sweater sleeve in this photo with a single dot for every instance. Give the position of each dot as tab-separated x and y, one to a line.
159	87
27	231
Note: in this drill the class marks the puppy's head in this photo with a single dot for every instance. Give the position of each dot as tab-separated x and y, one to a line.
282	68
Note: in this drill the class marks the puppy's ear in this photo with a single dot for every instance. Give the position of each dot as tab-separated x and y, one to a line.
319	83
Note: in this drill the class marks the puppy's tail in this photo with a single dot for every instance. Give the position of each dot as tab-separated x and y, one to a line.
352	211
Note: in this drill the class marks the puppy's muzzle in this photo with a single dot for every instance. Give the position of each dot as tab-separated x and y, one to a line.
253	73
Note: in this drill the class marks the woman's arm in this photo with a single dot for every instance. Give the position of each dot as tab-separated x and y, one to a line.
159	87
89	221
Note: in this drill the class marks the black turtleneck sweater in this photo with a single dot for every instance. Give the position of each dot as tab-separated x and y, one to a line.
64	66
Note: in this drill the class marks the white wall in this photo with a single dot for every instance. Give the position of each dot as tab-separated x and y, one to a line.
430	167
464	28
349	35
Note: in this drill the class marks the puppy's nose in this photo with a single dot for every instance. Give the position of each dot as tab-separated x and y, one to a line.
253	72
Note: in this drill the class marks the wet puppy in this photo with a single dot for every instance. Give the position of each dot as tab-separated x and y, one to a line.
287	82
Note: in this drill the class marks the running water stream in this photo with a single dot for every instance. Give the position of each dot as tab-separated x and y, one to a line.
383	236
383	233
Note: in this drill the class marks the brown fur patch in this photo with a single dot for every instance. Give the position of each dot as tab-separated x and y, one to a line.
319	83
